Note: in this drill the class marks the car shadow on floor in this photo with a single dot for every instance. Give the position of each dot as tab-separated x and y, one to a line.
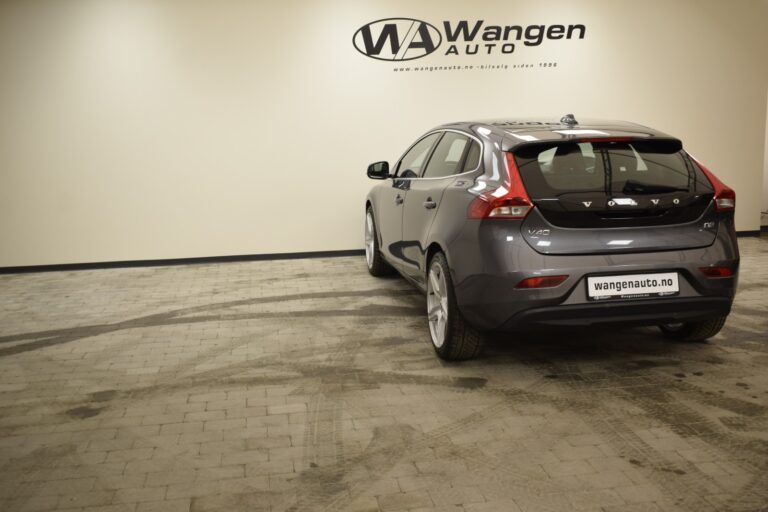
630	347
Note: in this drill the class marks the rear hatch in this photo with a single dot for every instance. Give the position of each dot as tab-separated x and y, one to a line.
615	195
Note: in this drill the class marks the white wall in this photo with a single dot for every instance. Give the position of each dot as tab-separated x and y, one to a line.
183	128
764	215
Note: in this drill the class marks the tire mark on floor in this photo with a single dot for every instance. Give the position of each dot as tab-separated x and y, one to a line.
655	401
48	338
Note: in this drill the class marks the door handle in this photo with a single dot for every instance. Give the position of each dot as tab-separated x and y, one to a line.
398	199
429	204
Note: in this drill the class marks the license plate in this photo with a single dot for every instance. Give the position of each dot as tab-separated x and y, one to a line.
632	286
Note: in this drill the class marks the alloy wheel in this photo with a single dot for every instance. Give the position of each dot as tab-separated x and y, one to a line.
437	304
369	234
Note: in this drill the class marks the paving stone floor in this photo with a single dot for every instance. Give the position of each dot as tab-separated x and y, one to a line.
308	385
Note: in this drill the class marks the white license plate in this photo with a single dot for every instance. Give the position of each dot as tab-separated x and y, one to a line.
632	286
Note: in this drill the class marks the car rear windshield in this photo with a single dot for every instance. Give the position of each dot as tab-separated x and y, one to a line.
619	167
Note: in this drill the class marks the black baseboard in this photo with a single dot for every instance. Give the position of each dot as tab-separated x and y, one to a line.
214	259
180	261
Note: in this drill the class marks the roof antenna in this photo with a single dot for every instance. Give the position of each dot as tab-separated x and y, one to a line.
569	120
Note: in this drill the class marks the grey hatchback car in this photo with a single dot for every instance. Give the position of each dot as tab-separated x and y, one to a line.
522	224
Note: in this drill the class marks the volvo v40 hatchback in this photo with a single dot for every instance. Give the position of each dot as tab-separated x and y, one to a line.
523	224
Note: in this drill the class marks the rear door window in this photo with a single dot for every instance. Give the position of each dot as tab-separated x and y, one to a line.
448	156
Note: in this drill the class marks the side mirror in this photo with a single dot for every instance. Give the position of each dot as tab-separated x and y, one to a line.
378	171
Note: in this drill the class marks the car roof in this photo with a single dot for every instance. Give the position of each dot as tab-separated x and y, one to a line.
514	132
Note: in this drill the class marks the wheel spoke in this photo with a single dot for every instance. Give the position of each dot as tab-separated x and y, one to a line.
435	284
368	228
440	328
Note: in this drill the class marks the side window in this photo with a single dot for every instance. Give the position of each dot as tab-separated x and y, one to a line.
413	161
473	157
447	157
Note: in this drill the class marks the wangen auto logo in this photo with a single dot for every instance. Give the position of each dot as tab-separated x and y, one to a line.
400	39
397	39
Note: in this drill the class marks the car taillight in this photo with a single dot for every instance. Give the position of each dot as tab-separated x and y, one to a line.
541	282
510	201
725	197
716	271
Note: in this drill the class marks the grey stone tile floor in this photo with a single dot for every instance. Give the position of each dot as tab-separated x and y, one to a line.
308	385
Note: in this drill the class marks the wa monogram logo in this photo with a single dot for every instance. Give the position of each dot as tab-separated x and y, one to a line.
397	39
400	39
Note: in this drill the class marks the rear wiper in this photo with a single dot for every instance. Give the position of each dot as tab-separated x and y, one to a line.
638	187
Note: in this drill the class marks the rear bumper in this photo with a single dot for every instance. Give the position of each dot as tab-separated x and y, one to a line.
567	305
631	313
487	266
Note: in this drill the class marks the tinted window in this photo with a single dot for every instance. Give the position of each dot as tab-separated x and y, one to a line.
473	157
413	161
631	167
448	156
635	167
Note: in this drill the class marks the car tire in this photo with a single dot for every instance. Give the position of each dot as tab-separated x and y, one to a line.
377	267
693	331
452	337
